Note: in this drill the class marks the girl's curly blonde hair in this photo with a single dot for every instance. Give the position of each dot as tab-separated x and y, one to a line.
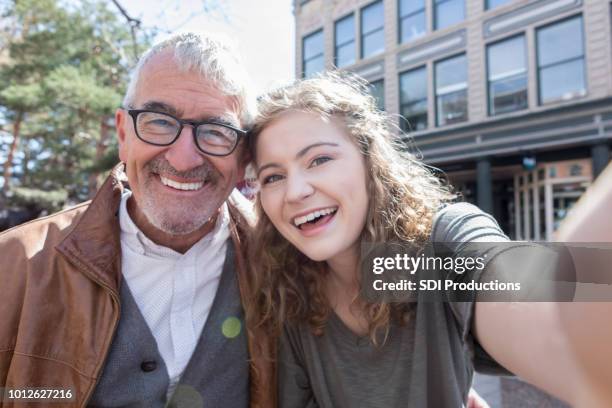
404	195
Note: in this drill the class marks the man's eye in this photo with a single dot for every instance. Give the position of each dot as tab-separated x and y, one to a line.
319	160
271	179
160	122
216	135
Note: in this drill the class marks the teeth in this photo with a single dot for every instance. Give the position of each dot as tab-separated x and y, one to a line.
297	221
181	186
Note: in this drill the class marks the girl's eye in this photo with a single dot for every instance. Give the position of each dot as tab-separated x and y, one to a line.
271	179
320	160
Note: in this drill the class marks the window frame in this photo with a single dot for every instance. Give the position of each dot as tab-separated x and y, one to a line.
435	88
363	34
321	54
539	68
488	67
401	18
354	40
404	120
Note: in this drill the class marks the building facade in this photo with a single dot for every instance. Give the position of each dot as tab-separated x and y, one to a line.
512	99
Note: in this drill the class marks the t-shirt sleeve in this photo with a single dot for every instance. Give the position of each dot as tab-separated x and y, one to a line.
456	225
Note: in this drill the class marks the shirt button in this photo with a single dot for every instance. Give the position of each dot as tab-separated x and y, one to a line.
148	366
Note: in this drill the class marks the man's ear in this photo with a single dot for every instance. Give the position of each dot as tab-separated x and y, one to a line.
120	123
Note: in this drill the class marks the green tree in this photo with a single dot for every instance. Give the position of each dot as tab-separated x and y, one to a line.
65	72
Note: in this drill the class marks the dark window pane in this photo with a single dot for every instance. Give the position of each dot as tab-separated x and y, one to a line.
373	43
415	116
377	89
345	30
450	73
410	6
345	55
413	85
560	42
452	108
563	81
508	95
313	66
372	17
448	12
413	99
506	58
494	3
412	27
313	45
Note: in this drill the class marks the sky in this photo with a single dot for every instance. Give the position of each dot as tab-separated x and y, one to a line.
263	30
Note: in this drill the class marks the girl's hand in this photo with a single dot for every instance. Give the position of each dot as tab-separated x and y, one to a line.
475	400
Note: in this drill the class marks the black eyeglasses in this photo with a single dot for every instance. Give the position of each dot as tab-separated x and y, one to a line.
162	129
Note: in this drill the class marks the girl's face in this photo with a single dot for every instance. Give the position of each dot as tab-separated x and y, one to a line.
313	184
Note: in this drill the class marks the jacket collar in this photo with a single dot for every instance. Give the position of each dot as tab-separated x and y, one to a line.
94	244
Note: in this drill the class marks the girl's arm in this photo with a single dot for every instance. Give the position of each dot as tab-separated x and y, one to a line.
564	348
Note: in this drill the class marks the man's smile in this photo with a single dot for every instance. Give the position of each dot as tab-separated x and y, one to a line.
190	186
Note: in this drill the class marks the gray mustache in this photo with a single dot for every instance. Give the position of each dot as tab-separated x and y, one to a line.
204	172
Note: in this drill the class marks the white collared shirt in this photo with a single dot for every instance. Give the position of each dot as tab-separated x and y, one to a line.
173	291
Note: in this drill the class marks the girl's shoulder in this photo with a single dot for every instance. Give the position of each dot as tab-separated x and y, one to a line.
465	222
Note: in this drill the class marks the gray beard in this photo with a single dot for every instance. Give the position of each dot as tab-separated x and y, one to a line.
181	220
167	221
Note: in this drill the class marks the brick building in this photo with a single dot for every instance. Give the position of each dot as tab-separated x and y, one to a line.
511	98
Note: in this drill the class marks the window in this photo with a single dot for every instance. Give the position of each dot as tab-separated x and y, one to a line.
372	29
561	61
377	89
575	170
507	76
312	54
413	99
494	3
448	12
451	90
345	41
411	19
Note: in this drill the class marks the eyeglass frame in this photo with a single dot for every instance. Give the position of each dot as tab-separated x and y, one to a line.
182	122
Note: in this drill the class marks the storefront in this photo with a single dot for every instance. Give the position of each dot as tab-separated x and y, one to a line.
530	204
544	196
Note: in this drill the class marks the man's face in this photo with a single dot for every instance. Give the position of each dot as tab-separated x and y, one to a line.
177	188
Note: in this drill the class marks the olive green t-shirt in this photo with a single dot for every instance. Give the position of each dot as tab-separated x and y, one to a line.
427	363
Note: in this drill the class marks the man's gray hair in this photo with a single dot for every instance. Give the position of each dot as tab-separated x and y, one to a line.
215	58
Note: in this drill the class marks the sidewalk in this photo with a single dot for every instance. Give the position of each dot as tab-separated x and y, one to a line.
511	392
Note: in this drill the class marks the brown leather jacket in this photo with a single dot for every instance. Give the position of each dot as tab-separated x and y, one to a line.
59	298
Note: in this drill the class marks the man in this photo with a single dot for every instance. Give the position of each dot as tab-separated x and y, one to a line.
133	299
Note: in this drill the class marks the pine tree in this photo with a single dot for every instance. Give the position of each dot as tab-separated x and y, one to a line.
65	71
